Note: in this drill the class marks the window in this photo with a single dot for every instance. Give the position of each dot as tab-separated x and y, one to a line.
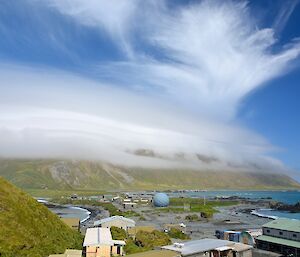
280	233
268	230
294	235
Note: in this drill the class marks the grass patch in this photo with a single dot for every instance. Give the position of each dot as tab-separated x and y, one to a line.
49	193
177	234
28	228
207	209
143	241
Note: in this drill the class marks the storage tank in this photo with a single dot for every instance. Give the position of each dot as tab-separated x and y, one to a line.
161	200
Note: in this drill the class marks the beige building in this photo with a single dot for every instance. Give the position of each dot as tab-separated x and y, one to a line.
99	243
68	253
129	206
115	221
73	223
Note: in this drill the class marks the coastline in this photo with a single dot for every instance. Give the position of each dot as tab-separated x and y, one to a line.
88	212
256	213
53	206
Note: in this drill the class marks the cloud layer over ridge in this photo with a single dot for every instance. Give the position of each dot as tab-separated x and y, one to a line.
169	100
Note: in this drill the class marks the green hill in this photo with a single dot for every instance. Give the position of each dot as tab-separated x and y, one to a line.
86	175
27	228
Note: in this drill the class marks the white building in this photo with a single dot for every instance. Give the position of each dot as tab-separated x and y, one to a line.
115	221
99	243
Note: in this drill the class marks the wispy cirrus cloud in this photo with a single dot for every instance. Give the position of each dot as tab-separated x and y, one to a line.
284	14
211	53
176	90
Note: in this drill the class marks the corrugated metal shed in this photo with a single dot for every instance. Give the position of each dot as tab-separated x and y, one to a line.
284	224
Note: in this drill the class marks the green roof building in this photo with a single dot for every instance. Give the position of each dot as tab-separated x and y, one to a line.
281	236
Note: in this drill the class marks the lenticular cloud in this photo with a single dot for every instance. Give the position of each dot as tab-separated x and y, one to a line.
170	101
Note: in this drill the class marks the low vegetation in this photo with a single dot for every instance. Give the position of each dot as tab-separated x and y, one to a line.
192	218
149	240
51	193
206	209
118	233
177	234
44	177
143	241
28	228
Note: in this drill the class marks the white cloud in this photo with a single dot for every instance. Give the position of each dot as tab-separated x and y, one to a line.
115	17
178	97
211	53
284	14
55	114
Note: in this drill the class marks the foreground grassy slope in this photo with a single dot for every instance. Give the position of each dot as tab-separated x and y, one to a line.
27	228
49	175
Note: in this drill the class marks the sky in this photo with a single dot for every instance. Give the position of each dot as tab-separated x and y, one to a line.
156	83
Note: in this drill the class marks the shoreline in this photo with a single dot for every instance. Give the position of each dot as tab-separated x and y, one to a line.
256	213
88	212
50	205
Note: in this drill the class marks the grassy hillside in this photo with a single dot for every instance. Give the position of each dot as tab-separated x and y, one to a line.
83	175
27	228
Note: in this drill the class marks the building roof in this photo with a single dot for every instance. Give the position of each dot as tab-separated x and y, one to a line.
156	253
118	242
279	241
68	253
197	246
73	253
223	248
113	218
100	236
97	236
239	247
284	224
71	222
254	232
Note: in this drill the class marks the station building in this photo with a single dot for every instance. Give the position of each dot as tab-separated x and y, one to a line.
281	236
115	221
98	242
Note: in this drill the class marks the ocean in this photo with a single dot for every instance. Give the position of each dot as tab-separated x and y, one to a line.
287	197
71	212
67	211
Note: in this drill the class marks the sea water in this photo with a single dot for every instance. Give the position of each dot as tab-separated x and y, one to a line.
287	197
67	211
278	214
71	212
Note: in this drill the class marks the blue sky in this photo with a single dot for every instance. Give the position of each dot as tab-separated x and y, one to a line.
213	78
273	110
